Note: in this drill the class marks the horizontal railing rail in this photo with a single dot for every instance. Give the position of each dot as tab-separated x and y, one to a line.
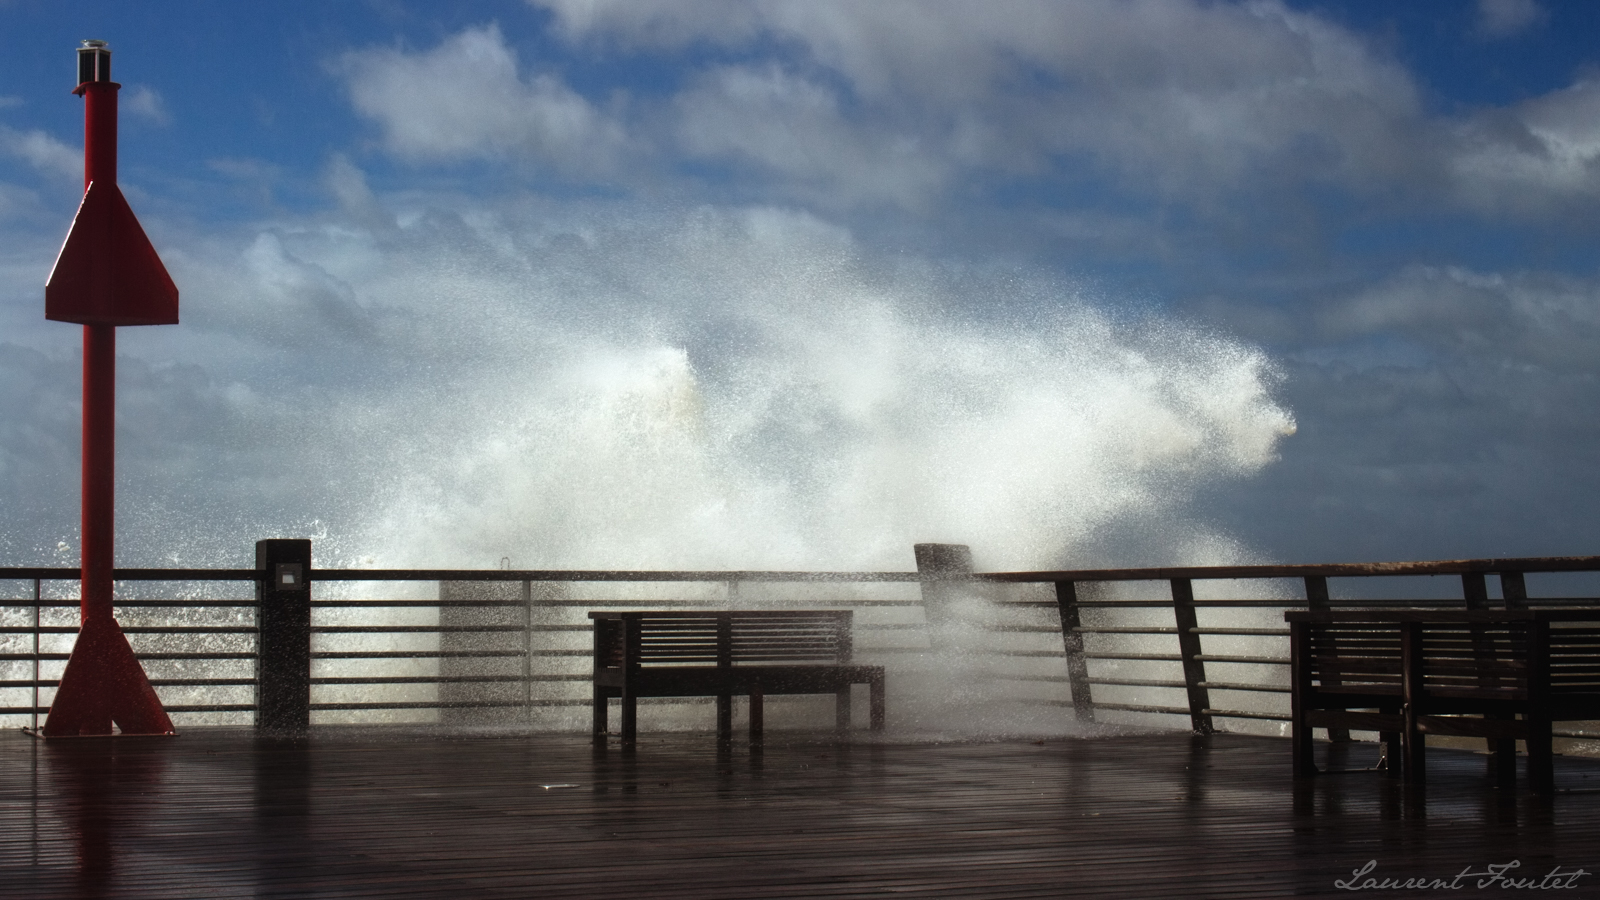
1490	566
1529	564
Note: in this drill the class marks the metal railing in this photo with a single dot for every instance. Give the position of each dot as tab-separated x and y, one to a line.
369	654
1098	637
1137	645
217	634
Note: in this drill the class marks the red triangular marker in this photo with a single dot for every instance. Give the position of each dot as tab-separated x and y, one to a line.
107	272
104	683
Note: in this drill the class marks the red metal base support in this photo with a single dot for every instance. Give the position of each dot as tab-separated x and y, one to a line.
104	683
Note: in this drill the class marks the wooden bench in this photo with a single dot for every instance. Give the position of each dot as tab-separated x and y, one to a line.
724	653
1345	674
1503	675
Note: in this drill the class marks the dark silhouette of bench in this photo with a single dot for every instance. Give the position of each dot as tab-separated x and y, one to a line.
1347	673
725	653
1503	675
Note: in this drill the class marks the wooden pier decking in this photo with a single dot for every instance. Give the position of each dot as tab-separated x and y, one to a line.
397	813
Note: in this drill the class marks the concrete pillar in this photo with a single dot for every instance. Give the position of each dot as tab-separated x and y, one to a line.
952	562
283	621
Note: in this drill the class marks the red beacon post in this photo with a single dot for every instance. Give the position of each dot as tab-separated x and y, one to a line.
106	275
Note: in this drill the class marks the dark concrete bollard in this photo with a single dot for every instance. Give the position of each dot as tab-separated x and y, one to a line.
283	650
949	561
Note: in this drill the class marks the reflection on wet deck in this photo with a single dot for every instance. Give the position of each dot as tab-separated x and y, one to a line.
396	813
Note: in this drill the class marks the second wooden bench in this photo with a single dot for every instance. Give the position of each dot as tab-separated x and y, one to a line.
1500	675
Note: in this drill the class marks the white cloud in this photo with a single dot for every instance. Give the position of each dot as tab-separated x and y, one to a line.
900	101
245	169
656	22
1539	153
146	101
1185	97
1505	18
43	152
348	184
17	203
466	99
1477	320
793	127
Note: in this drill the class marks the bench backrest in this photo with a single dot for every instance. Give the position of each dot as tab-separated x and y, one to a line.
1476	660
723	638
1354	656
1575	657
1484	655
1350	654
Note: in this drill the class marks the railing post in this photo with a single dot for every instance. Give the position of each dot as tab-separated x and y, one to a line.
527	650
283	646
1194	668
38	600
1514	589
1514	595
1316	600
1317	593
1072	639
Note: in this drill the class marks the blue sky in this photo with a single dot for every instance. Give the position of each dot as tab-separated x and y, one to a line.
748	284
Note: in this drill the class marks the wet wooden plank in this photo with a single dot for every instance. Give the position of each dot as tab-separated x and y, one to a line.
369	812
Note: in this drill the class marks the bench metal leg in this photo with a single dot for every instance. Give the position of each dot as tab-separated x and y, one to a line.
1415	749
1394	753
1503	759
757	714
1305	764
877	704
841	714
1541	756
1413	690
1394	748
601	711
1503	755
725	717
630	717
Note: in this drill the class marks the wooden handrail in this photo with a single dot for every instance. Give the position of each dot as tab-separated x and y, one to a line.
1322	570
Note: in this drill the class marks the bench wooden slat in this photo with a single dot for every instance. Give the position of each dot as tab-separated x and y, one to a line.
1466	726
1360	721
